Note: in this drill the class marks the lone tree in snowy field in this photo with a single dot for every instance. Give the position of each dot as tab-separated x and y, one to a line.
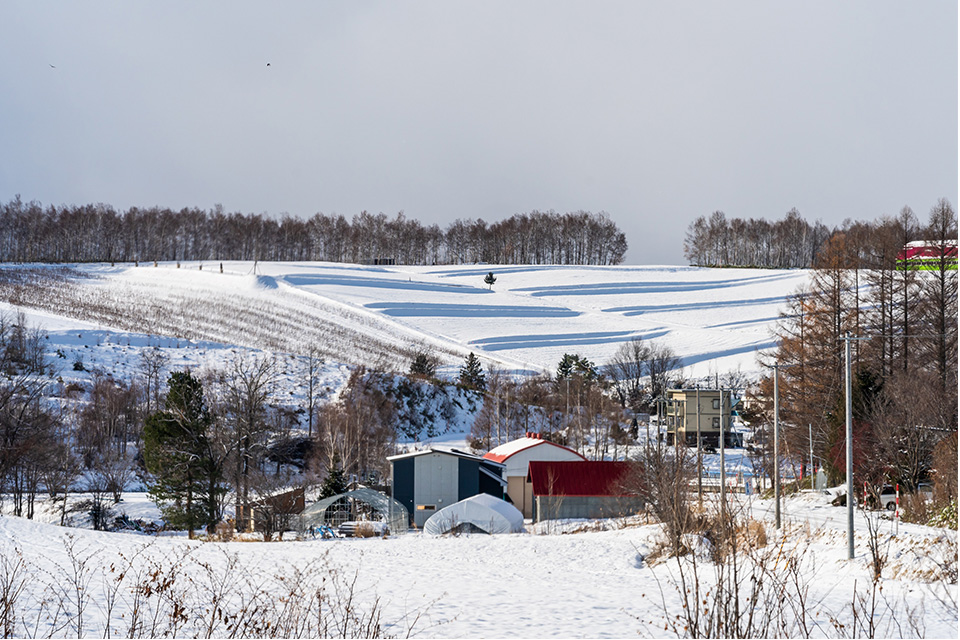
471	374
176	452
490	279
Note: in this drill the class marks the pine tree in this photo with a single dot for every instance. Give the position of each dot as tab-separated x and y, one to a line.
185	481
471	374
490	279
424	365
574	365
336	481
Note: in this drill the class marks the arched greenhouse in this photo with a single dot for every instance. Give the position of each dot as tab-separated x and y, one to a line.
361	504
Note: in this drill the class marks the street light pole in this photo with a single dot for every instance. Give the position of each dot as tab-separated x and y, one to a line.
776	443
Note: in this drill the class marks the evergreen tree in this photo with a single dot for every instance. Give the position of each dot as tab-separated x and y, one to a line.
424	365
490	279
185	481
336	481
471	374
572	364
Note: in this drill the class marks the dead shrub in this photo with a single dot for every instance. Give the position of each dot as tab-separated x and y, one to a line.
730	535
756	534
224	532
945	470
914	508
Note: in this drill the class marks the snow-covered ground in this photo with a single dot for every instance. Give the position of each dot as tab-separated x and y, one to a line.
596	583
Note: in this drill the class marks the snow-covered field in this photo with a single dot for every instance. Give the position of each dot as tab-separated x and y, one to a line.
714	319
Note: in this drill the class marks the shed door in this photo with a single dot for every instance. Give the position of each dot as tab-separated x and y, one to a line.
436	485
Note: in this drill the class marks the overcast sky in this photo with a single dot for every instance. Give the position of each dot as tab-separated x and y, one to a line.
656	112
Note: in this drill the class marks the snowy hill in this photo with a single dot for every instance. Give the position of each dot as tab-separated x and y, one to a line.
714	319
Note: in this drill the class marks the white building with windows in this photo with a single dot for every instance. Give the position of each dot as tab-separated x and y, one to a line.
710	409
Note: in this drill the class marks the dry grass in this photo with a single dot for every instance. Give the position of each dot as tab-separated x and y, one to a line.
186	593
365	530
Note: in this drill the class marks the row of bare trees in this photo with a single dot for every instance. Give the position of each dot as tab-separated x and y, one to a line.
904	357
788	243
30	232
792	242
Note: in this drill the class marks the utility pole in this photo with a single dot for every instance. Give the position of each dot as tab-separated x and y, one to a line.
723	469
646	447
699	454
776	443
810	428
661	414
849	412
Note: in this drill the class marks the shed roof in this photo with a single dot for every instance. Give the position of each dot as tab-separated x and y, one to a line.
508	449
588	478
450	452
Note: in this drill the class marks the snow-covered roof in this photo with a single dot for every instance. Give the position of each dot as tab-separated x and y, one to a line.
508	449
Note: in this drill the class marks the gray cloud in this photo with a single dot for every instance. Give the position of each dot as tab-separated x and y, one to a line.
656	112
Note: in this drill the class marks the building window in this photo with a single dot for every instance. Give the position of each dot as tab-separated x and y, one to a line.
716	423
716	403
426	507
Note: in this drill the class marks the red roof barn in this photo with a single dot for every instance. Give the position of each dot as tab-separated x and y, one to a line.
517	454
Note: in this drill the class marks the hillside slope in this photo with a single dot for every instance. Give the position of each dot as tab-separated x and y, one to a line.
714	319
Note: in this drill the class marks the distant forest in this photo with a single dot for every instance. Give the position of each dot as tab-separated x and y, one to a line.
792	242
30	232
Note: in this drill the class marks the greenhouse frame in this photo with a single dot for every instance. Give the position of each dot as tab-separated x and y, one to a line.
343	507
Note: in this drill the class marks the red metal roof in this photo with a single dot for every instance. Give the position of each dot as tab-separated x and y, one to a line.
588	478
504	451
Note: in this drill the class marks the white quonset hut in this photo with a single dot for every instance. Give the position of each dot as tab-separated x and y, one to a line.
516	456
480	513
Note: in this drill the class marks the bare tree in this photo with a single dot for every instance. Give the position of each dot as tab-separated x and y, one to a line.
153	361
627	370
64	470
661	476
357	432
249	383
663	366
313	367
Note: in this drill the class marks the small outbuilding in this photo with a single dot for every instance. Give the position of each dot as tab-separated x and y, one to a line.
481	513
516	456
591	489
429	480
